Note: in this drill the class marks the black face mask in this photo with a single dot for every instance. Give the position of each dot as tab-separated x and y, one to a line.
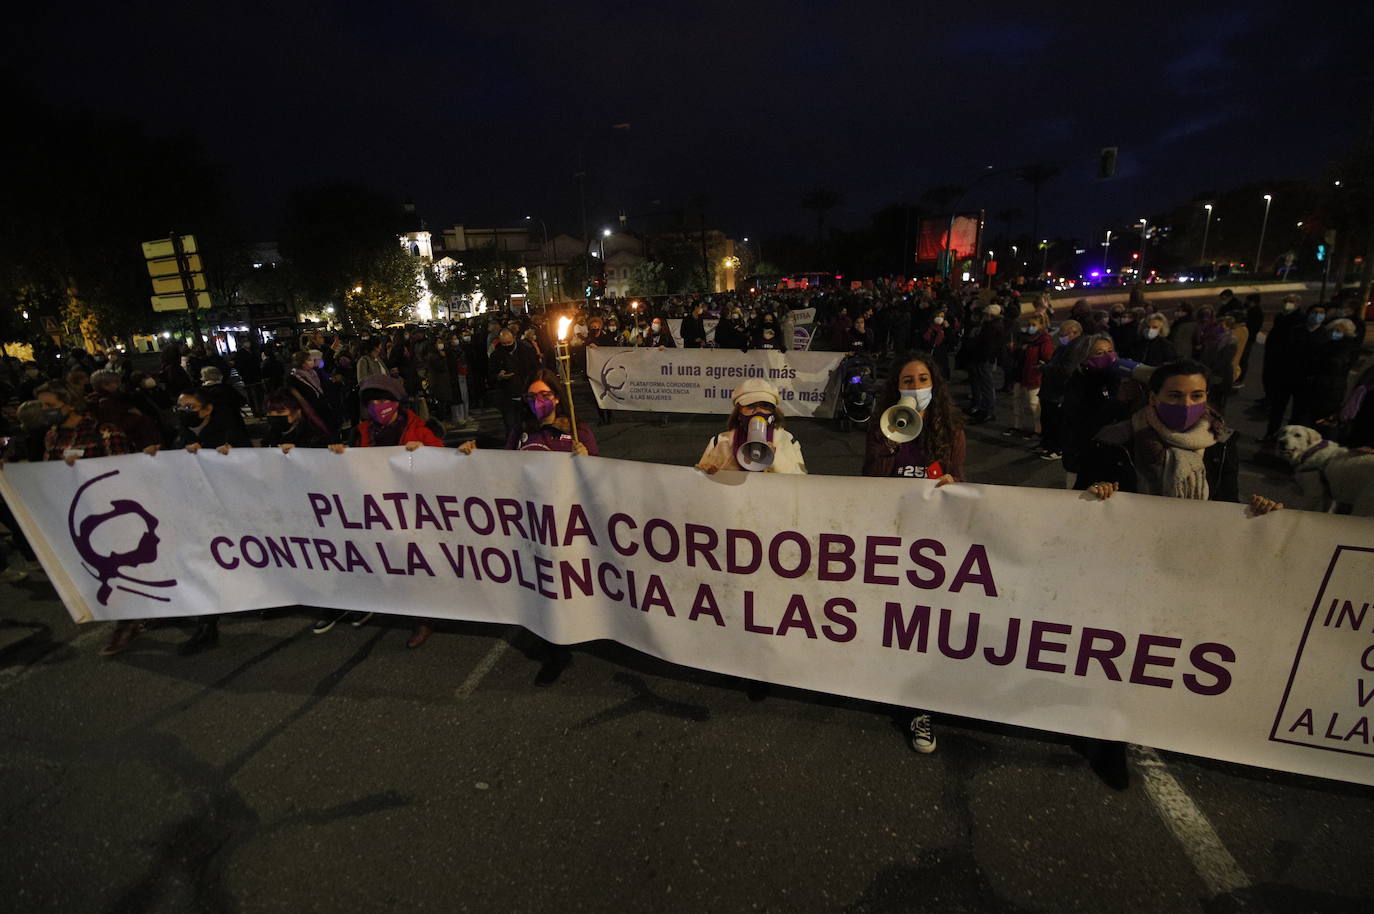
278	424
188	416
53	417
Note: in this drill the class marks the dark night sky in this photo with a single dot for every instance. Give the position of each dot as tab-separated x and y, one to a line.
483	113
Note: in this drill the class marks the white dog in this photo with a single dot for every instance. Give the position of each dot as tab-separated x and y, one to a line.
1327	473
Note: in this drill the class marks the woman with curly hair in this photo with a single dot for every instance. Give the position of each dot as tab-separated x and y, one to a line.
936	453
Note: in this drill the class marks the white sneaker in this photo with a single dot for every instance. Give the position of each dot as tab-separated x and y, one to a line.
12	575
922	734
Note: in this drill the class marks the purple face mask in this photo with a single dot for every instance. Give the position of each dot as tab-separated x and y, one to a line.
542	409
383	411
1178	416
1101	362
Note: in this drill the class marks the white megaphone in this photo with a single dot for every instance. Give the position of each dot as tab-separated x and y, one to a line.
901	422
756	453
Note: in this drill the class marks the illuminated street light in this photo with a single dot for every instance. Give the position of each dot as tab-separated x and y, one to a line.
1268	198
1144	228
1206	226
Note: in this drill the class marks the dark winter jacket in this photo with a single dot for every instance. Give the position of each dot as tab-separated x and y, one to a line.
1109	458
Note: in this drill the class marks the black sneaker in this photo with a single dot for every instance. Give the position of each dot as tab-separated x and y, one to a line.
1047	454
1108	762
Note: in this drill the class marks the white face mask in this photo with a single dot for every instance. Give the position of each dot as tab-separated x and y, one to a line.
1152	333
921	396
1290	306
1337	335
940	321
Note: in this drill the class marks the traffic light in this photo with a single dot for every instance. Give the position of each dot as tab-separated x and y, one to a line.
1106	163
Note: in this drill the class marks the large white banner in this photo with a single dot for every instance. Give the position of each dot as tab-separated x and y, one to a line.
701	380
1183	625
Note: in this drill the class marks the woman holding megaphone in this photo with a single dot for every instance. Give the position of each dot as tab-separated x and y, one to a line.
916	432
754	438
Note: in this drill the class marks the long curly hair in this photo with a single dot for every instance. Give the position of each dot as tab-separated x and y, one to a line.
941	421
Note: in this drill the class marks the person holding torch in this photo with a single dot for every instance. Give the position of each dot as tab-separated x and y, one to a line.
548	423
548	416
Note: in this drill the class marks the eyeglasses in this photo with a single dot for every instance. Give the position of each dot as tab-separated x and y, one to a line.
540	395
765	409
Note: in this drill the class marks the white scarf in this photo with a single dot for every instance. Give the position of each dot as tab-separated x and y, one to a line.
1182	473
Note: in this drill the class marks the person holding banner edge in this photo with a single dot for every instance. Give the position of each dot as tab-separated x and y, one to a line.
72	434
1176	446
754	399
388	424
754	440
204	421
547	427
931	447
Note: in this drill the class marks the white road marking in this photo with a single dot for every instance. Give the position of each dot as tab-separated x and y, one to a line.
485	665
1190	825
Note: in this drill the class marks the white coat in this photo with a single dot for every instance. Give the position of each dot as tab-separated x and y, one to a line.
787	453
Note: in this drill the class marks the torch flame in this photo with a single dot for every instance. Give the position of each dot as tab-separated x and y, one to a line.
563	323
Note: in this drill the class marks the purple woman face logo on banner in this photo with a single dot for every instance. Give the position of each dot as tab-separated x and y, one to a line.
107	568
609	377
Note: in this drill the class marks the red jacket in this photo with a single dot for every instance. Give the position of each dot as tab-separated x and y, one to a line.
1033	353
415	430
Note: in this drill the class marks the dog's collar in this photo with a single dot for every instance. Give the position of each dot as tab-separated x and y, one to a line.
1310	451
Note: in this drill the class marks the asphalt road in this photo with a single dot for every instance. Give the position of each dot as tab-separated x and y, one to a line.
289	772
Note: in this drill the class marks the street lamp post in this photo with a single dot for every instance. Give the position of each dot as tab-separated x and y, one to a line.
1206	227
1144	230
543	263
605	233
1044	255
1106	250
1268	198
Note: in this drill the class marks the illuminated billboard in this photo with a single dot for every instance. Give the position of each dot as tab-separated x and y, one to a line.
931	240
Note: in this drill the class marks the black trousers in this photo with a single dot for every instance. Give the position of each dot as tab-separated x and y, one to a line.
1277	395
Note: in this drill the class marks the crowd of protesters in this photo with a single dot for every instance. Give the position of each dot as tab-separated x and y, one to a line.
1075	380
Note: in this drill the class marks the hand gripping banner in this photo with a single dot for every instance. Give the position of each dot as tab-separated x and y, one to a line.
1183	625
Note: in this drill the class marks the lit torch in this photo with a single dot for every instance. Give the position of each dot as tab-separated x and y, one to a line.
563	350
